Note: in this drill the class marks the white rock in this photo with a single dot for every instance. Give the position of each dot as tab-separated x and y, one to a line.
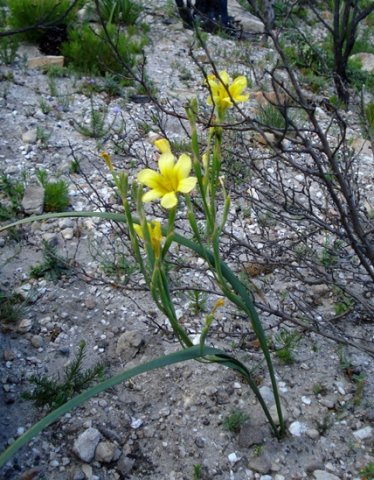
136	423
106	452
30	136
85	445
33	199
233	458
25	325
267	394
363	433
306	400
297	428
323	475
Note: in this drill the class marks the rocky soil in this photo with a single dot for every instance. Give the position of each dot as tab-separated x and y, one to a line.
169	424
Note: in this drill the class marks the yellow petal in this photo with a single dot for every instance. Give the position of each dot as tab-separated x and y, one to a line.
238	85
138	229
149	177
162	145
156	231
224	78
169	200
151	195
183	166
166	164
187	184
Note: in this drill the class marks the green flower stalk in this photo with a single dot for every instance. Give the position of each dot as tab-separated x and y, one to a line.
151	242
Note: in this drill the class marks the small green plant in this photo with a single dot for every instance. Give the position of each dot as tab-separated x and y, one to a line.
367	472
258	449
235	420
75	166
360	382
327	255
270	116
319	389
8	49
12	307
369	118
144	128
113	85
197	472
52	85
53	393
53	265
13	191
359	77
90	52
45	107
56	194
197	302
120	11
343	304
96	126
118	266
42	135
286	341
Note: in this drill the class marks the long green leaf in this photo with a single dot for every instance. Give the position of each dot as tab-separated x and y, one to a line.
226	272
176	357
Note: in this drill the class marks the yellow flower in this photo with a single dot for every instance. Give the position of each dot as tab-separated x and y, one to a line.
163	145
173	178
108	161
219	303
223	90
155	233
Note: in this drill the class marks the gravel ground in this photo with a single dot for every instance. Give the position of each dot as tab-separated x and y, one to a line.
169	424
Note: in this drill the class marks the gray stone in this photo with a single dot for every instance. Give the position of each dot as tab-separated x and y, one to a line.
37	341
125	464
363	433
90	302
45	60
251	434
323	475
85	445
274	413
250	23
129	343
25	325
261	464
8	355
297	429
33	200
30	136
267	394
67	233
107	452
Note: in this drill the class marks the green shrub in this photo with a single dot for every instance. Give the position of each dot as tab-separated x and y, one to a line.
53	265
90	53
25	13
369	114
53	393
56	196
235	420
271	116
119	11
12	308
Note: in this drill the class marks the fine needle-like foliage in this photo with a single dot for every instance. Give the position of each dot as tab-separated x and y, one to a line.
53	393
